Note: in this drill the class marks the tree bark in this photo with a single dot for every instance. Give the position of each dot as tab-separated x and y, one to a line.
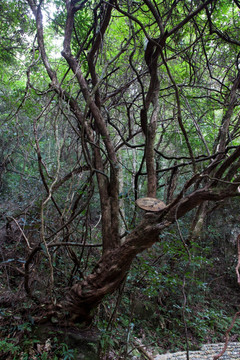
112	268
108	188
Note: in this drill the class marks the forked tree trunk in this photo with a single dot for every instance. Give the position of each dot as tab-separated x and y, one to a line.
112	268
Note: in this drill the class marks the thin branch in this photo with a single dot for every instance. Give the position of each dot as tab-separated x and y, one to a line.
189	17
216	357
22	232
238	264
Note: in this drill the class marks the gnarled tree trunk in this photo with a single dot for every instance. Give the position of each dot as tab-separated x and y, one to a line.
110	271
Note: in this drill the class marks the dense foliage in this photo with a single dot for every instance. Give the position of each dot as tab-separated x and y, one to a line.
103	103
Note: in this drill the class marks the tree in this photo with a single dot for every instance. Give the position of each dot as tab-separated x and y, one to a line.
147	86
